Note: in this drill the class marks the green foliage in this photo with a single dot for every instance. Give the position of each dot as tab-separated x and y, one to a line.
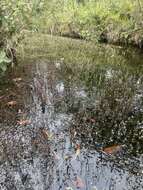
90	18
75	18
3	61
16	17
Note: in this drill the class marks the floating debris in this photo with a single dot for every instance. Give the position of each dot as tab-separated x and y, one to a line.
12	103
112	149
23	122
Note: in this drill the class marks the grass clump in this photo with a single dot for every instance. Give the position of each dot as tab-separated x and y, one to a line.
104	20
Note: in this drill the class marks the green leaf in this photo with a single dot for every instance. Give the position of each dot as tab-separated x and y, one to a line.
4	60
3	67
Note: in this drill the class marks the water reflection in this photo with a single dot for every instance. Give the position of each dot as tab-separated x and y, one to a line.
90	106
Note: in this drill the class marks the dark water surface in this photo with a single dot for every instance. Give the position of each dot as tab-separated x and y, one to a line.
67	126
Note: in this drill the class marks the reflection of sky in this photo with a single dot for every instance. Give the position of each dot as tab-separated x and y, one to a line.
60	87
109	73
88	165
55	173
80	93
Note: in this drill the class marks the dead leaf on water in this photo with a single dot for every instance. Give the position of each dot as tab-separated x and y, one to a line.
17	79
112	149
79	182
77	150
23	122
46	134
12	103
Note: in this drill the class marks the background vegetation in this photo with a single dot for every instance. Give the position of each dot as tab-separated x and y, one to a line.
15	18
99	20
112	21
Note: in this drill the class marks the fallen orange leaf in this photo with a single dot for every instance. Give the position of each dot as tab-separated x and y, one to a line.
23	122
77	150
112	149
11	103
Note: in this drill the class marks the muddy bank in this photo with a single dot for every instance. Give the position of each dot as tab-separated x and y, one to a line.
133	38
124	38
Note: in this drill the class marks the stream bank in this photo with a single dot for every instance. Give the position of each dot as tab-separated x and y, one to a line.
127	39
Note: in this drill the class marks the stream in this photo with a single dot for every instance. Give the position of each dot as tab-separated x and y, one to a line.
69	125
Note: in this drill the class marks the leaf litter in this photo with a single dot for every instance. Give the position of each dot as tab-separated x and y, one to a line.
12	103
112	149
23	122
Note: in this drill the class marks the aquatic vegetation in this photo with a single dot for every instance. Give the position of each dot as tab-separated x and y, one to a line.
71	112
91	130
